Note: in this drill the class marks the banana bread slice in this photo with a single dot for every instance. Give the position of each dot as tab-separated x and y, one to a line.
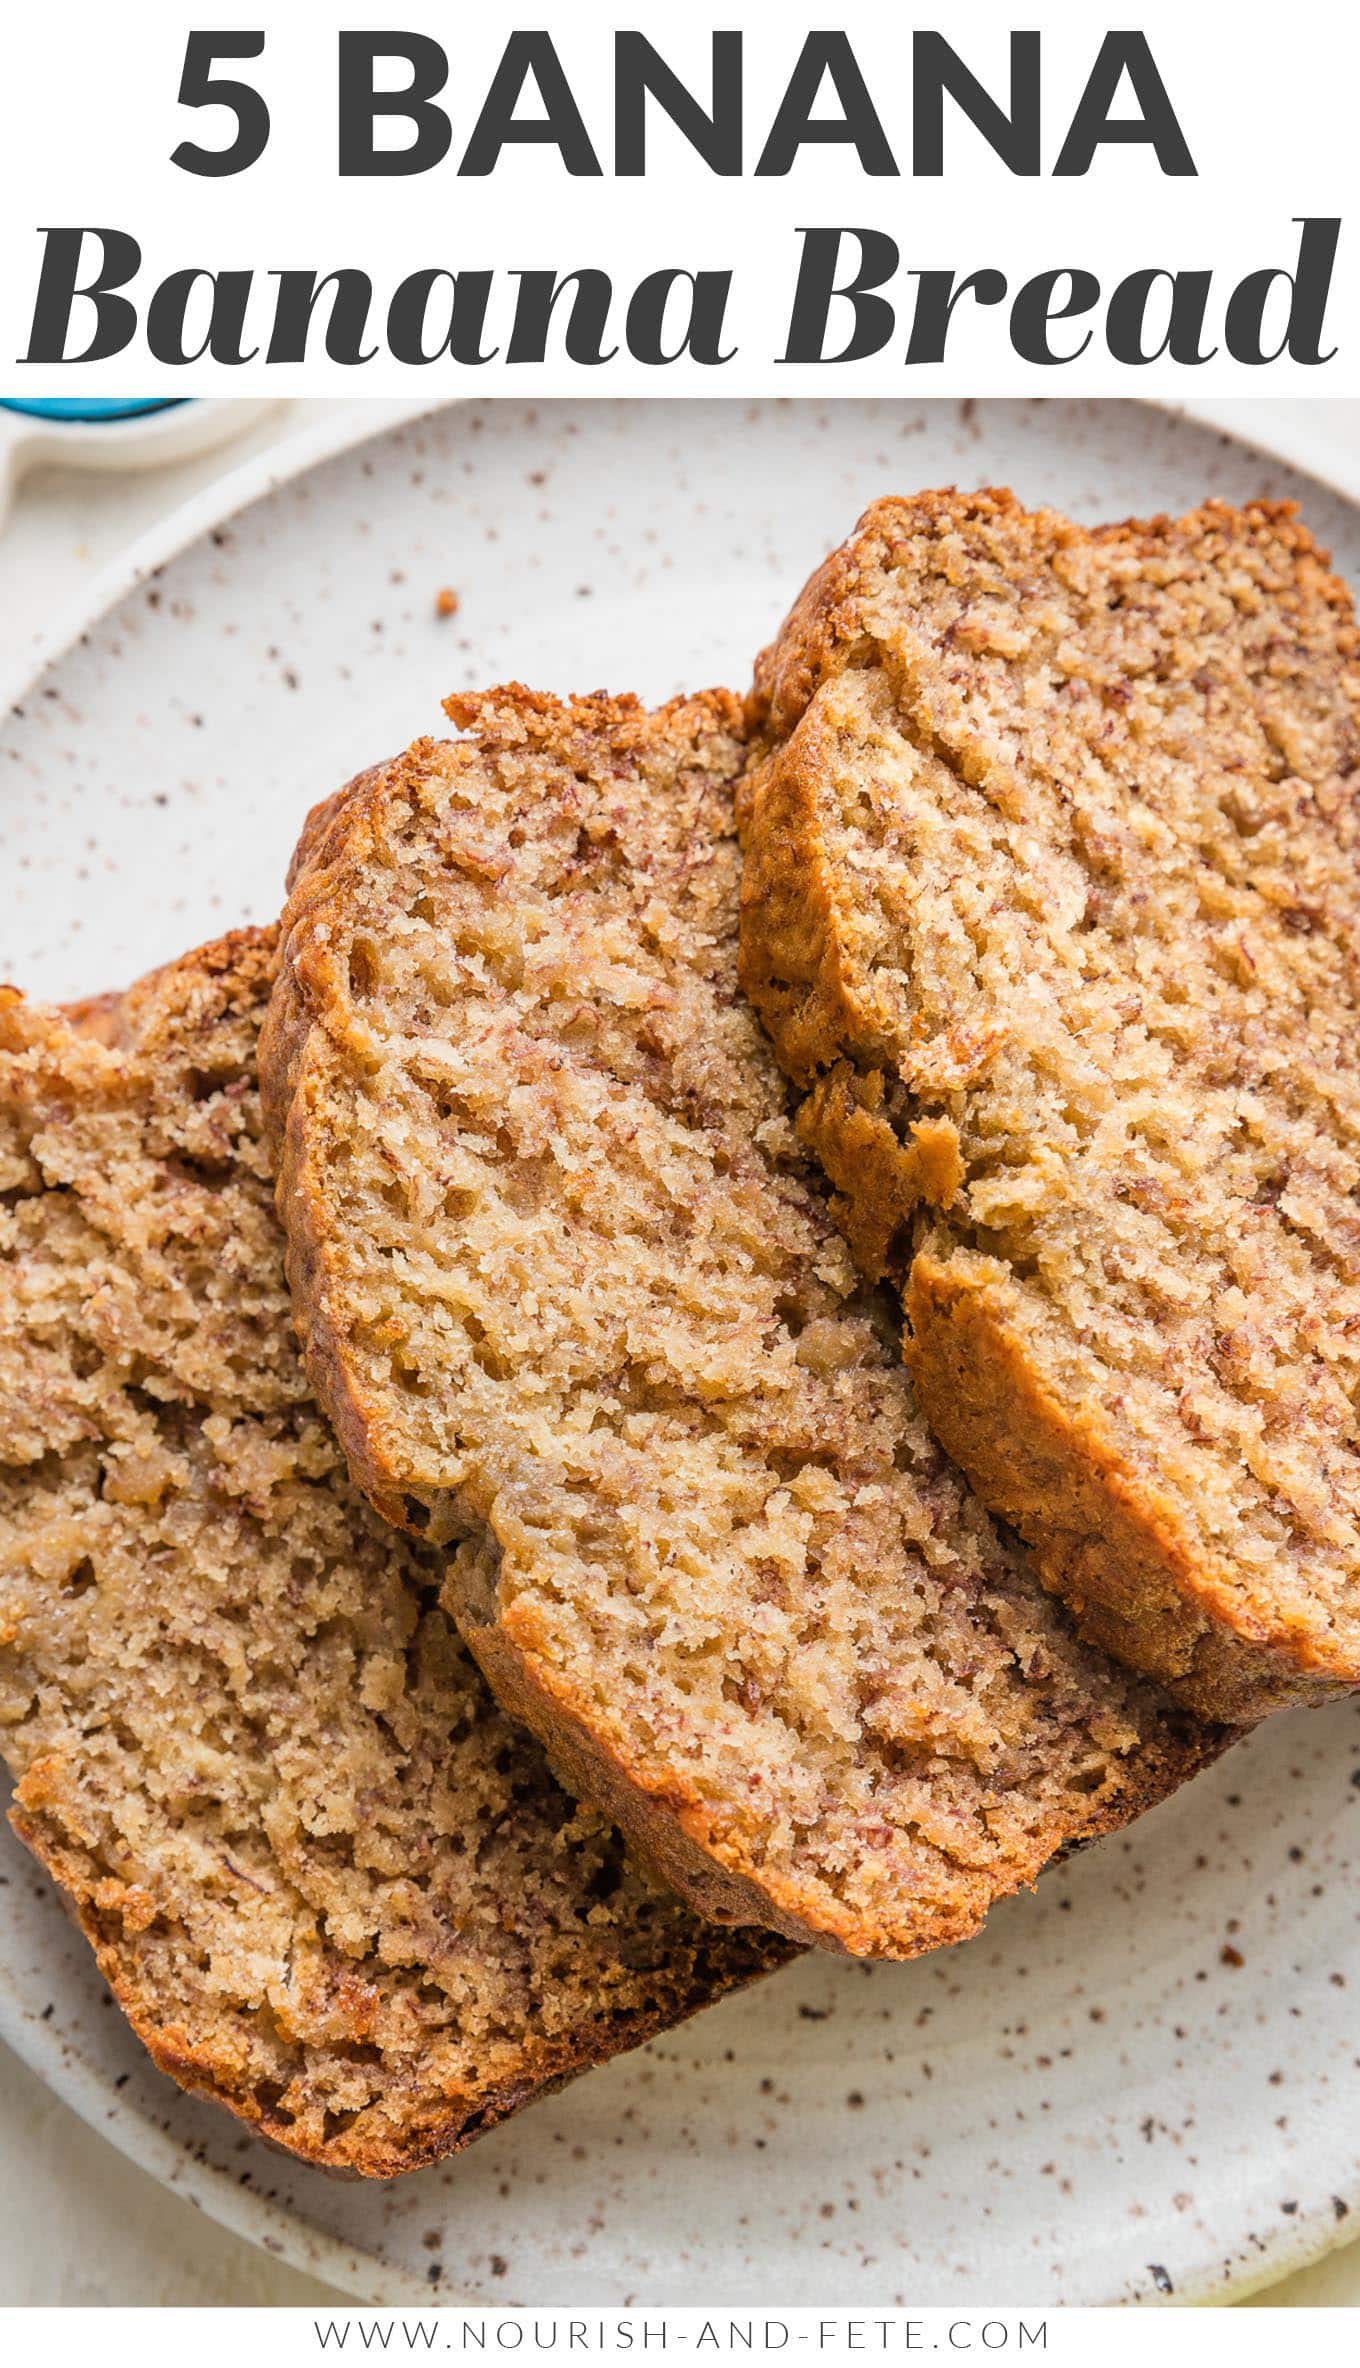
1051	904
567	1289
328	1881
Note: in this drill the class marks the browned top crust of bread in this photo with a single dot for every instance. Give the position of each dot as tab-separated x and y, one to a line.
330	1884
568	1292
1051	905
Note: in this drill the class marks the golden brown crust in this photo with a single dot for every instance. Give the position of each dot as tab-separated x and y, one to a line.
825	628
308	978
437	2127
675	1833
671	1832
840	1003
540	923
1105	1541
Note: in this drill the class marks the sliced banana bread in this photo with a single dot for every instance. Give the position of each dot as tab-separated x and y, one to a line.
567	1289
1051	903
328	1881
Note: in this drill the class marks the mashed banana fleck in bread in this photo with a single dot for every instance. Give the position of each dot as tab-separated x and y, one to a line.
568	1290
328	1881
1051	905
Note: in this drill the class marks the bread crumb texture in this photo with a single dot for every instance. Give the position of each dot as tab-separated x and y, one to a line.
328	1881
1050	906
571	1294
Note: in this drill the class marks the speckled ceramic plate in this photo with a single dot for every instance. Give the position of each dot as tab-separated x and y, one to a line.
1140	2081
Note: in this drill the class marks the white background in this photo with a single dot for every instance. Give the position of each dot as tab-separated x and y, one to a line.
1265	96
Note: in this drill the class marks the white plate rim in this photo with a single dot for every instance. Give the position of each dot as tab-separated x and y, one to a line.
358	2273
